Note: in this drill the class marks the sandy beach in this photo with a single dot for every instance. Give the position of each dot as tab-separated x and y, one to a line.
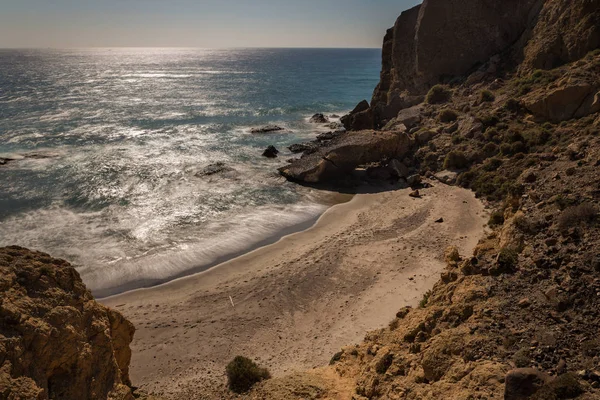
293	304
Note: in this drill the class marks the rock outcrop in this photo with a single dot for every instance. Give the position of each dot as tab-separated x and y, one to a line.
442	40
346	152
56	341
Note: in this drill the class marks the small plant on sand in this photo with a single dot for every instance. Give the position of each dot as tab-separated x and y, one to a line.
243	373
425	299
486	96
438	94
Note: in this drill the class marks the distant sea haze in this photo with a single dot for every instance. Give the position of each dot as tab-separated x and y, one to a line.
112	145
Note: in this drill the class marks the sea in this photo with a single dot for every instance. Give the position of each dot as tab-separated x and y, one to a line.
110	146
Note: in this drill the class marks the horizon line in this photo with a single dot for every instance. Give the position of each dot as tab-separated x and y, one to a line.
183	47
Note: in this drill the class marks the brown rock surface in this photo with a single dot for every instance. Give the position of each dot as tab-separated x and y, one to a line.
56	341
346	152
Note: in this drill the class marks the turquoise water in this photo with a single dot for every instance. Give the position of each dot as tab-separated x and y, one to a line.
121	134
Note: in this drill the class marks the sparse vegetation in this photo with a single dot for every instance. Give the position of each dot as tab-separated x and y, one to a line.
486	96
438	94
425	299
448	115
456	160
576	215
243	373
496	219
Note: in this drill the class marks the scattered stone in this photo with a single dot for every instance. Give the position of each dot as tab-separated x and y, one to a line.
398	169
439	221
324	137
410	117
524	303
266	129
270	152
415	194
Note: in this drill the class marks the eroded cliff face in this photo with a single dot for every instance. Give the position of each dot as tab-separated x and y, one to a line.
56	341
444	40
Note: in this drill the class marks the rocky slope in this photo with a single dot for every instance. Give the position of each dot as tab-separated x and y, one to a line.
441	40
519	124
56	341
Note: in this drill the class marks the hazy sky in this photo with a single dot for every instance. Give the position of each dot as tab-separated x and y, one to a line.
197	23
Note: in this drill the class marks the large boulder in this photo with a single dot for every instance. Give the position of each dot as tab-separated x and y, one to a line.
358	119
343	154
56	341
570	100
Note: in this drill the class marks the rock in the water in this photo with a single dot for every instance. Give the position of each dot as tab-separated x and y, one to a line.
56	341
266	129
270	152
523	382
319	119
215	168
326	136
346	152
306	148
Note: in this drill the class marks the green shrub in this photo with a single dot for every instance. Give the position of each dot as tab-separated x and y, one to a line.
448	115
486	96
456	160
512	105
496	219
490	149
576	215
425	299
489	120
508	258
243	373
438	94
492	164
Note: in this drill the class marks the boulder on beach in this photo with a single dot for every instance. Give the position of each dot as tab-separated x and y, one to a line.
266	129
345	153
319	119
270	152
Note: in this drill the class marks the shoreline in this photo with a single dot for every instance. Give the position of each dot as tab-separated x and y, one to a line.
296	302
329	200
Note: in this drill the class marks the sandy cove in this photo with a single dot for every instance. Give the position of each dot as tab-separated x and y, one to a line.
298	301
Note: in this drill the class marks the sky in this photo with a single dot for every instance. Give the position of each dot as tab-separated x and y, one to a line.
197	23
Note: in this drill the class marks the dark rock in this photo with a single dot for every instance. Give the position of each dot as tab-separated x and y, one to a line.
439	221
306	148
270	152
397	169
415	194
215	168
343	154
521	383
319	119
266	129
323	137
359	119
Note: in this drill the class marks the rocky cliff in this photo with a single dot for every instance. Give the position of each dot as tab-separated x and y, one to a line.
56	341
442	41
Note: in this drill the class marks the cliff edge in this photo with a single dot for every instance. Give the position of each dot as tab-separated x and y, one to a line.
56	341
